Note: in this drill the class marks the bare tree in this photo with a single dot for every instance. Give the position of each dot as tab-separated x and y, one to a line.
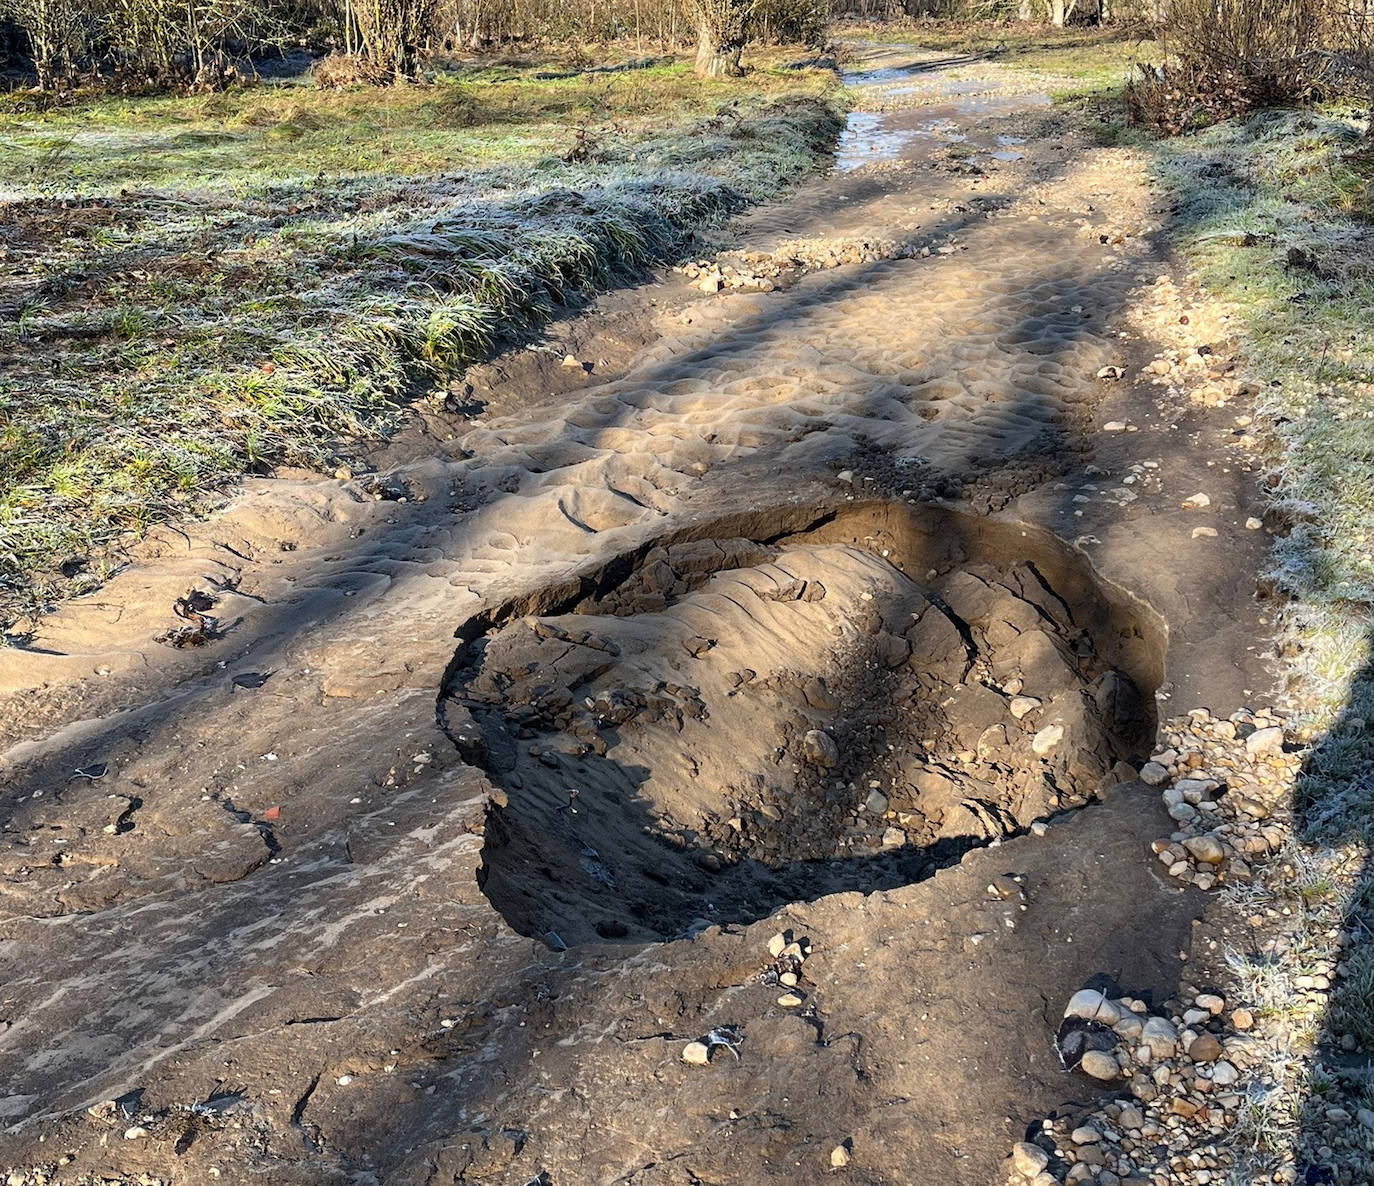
720	35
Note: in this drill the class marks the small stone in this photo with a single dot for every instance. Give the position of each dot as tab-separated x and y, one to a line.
1160	1036
788	980
1196	502
1152	774
1023	705
1205	1048
876	803
136	1133
1048	737
1253	524
1365	1117
1100	1065
571	360
1224	1074
1211	1002
893	838
1204	533
1206	849
819	748
1129	1027
1094	1006
1242	1019
696	1054
789	1000
1039	828
1027	1160
776	944
1264	741
1085	1135
839	1157
1131	1118
1114	426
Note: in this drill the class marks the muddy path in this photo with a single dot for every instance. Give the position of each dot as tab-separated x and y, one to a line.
837	608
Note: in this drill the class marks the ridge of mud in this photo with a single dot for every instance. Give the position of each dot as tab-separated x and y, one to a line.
709	728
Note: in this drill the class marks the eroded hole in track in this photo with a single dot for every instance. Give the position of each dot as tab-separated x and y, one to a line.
722	725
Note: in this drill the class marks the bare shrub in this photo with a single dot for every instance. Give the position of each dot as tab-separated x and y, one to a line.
58	32
1351	53
387	35
1226	57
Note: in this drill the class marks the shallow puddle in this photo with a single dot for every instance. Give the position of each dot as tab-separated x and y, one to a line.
914	133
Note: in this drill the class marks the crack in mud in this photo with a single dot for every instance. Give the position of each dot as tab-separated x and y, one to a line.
713	727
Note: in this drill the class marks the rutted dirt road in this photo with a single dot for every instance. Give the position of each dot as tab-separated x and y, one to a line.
809	601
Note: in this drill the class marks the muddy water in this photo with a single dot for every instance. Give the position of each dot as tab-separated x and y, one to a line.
883	129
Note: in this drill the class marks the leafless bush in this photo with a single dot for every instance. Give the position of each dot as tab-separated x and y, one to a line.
58	32
1351	48
1226	57
387	35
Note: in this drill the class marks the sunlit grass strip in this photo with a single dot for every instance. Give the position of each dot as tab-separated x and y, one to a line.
1276	215
309	329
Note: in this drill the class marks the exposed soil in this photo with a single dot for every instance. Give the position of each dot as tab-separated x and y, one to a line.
315	902
736	725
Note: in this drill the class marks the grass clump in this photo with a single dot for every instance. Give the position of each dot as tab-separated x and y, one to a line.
158	344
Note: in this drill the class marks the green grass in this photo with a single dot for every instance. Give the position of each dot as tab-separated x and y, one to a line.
1274	216
249	137
227	296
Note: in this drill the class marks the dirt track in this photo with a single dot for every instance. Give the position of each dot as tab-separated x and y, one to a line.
875	504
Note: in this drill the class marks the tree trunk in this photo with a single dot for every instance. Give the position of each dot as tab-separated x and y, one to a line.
1023	11
1057	13
720	36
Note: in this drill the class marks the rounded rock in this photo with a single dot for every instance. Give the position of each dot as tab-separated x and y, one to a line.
1027	1160
1264	741
1153	774
1092	1005
1204	1048
1100	1065
696	1054
1160	1036
1205	848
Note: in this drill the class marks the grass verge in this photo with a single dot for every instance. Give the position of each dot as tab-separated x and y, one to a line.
1274	217
195	288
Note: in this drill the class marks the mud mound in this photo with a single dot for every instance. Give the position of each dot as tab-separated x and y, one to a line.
734	725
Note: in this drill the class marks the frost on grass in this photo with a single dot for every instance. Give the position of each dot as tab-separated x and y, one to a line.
1275	211
1277	214
160	345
